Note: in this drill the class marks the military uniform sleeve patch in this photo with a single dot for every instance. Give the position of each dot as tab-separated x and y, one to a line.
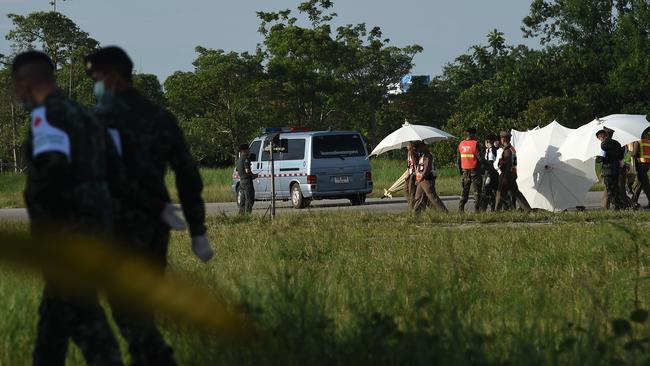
47	138
117	141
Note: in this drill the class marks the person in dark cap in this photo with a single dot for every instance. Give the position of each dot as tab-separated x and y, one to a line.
506	164
611	157
149	141
470	163
246	190
66	192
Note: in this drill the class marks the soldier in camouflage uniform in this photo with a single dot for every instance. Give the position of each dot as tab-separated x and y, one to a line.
246	176
66	192
148	140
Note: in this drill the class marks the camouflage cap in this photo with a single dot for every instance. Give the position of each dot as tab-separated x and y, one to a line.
505	134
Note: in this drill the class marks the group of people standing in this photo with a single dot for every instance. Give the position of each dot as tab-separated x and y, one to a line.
489	170
624	170
101	174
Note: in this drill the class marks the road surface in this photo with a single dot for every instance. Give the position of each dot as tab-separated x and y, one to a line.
394	205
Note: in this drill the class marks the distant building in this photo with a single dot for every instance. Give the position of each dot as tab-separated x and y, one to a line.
407	81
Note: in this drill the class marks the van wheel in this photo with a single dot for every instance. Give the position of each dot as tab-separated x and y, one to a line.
358	199
238	196
297	199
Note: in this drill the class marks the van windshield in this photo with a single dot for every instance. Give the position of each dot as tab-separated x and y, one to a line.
338	146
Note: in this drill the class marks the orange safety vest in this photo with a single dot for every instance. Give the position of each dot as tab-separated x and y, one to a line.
468	150
644	153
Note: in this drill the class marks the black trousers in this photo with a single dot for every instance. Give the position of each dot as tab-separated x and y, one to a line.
146	344
471	179
80	318
247	197
65	315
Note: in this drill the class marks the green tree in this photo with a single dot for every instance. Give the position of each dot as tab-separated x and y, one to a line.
221	103
149	85
62	40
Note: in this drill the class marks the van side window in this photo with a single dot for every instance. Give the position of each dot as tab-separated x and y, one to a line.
255	150
296	151
338	146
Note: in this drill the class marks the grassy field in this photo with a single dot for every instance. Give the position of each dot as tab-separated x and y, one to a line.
357	288
217	183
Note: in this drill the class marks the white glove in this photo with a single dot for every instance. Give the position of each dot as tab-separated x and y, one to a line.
201	247
170	217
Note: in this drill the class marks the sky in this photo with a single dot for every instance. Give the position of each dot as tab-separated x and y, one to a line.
161	35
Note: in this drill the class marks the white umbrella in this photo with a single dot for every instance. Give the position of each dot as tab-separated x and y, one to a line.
582	143
517	136
398	186
408	133
547	180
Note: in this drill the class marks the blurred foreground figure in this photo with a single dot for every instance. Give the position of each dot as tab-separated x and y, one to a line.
66	192
148	140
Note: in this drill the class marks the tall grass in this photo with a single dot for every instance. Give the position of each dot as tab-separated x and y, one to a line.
359	288
11	189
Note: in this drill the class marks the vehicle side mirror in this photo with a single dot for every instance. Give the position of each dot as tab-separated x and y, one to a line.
252	157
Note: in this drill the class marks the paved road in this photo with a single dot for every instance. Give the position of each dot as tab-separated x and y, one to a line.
372	205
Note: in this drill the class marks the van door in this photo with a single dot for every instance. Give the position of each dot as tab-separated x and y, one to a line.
289	166
255	163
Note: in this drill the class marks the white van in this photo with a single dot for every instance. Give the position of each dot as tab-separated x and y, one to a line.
317	165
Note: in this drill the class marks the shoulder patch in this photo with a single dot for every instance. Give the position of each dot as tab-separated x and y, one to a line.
47	138
117	141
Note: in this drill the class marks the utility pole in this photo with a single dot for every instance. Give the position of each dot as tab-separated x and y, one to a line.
53	3
14	143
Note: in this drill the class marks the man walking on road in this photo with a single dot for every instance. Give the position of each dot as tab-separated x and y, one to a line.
470	162
641	160
425	177
149	140
66	192
506	164
611	158
246	177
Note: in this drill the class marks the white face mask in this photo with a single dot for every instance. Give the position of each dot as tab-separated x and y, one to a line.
99	89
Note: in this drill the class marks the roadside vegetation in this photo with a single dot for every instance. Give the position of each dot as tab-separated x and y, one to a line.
356	288
217	183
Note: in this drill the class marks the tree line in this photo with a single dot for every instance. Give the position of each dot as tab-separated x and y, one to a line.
592	60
